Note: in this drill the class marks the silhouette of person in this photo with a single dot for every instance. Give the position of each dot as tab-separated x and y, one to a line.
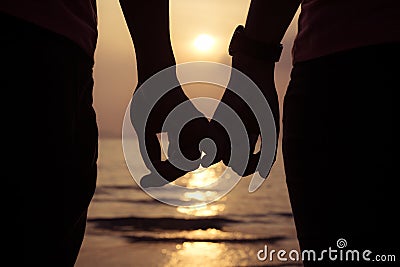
338	119
48	55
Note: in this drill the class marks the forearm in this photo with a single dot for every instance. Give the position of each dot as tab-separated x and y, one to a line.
148	24
268	20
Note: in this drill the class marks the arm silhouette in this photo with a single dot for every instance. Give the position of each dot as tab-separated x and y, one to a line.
267	22
148	24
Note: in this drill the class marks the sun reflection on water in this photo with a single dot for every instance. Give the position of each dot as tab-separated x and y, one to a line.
209	234
202	252
201	177
206	254
205	210
197	179
198	254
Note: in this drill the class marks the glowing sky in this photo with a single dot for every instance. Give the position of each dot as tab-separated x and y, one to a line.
200	30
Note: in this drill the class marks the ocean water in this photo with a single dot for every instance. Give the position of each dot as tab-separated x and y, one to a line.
127	227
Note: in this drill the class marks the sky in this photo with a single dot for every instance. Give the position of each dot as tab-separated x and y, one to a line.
200	31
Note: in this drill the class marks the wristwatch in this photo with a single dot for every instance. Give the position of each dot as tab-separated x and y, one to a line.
242	44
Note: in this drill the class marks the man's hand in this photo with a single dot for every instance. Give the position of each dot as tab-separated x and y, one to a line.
262	73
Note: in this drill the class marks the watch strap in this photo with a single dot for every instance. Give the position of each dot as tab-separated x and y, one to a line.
242	44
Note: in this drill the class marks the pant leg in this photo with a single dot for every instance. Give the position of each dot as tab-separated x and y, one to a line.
53	78
338	150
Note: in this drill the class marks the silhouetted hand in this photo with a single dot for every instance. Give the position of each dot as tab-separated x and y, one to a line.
262	73
184	154
222	138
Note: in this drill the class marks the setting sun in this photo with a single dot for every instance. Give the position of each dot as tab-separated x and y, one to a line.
204	42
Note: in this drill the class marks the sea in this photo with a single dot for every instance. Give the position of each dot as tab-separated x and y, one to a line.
128	227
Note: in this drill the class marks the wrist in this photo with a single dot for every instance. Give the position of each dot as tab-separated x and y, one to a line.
146	70
242	44
152	60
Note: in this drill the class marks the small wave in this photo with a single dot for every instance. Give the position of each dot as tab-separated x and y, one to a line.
164	223
119	187
283	214
269	240
133	201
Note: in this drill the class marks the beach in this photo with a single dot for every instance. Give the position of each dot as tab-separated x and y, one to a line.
127	227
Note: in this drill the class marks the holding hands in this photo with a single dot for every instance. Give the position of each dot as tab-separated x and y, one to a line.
256	59
186	127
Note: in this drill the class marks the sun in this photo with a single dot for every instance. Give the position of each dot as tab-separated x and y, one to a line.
204	42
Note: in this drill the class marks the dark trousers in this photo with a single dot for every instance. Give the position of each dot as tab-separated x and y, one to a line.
338	147
52	78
